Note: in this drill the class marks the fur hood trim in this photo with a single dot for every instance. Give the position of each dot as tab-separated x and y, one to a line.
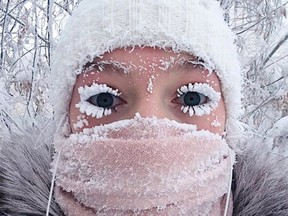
25	176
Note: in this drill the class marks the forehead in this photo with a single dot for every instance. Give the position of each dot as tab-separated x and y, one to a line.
147	53
143	62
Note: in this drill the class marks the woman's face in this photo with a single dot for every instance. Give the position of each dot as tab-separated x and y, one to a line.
151	82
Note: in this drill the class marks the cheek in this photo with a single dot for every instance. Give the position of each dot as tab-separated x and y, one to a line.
75	117
214	122
78	121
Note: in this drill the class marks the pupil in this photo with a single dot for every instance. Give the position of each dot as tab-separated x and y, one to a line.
105	100
192	99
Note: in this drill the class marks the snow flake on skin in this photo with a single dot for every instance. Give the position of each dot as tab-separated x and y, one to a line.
166	63
142	69
150	84
215	123
162	64
81	122
152	66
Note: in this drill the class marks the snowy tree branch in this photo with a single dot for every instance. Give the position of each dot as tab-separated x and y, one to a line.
282	40
2	55
22	24
50	29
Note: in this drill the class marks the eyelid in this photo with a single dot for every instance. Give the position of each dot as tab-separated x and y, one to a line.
202	88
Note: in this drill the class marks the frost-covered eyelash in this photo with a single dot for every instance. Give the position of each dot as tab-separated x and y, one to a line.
89	109
206	90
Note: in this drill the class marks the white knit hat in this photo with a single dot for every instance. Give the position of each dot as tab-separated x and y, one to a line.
193	26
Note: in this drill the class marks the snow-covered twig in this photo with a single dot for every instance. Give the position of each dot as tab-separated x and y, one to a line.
2	54
50	29
282	40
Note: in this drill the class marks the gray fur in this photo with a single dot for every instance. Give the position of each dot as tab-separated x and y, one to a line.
261	182
24	174
260	178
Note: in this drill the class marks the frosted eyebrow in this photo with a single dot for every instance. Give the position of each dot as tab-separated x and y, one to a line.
190	63
109	66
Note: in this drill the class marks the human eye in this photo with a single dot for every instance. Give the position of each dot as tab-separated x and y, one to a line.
197	99
98	100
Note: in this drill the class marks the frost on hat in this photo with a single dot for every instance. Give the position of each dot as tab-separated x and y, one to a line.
193	26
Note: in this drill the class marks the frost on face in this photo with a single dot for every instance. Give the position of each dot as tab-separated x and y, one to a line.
81	122
150	84
113	65
213	98
165	64
93	110
216	123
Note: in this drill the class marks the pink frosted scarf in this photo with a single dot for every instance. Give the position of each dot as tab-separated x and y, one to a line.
143	167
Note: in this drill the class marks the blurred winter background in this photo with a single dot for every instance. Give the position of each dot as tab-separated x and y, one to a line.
28	35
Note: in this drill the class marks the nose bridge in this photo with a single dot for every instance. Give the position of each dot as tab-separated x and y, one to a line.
150	105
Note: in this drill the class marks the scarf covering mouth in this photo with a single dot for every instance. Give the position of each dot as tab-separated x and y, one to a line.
142	164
